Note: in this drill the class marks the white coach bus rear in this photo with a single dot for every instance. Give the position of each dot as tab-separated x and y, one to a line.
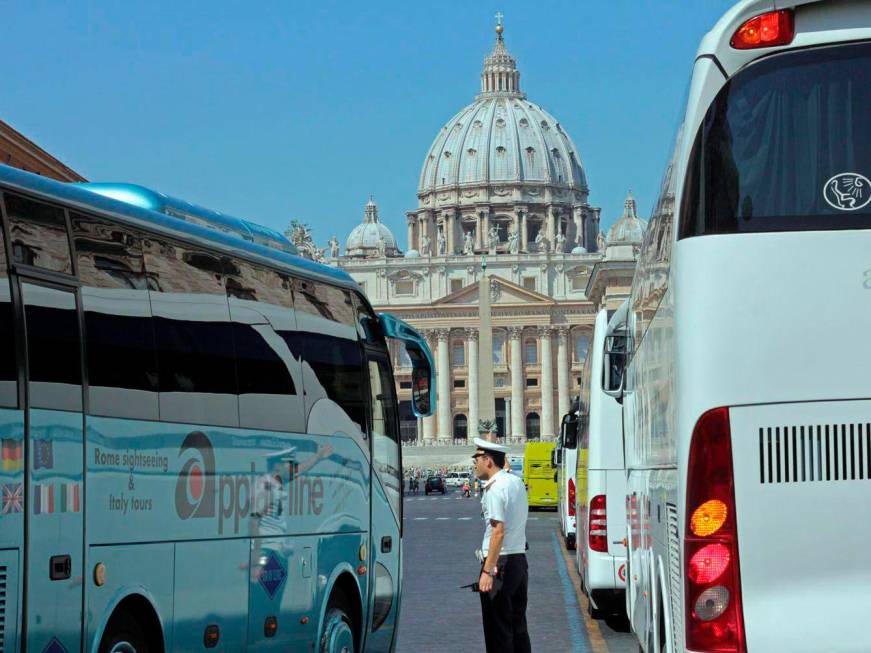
747	423
601	476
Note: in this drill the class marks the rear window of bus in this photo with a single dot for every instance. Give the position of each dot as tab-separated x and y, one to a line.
785	146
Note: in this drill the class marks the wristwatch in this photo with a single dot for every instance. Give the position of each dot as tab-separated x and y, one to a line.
492	572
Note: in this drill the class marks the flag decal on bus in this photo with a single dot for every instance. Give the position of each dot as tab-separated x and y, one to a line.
272	575
51	498
12	455
43	454
13	498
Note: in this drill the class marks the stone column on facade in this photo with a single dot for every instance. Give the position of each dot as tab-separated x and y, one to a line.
411	220
546	382
479	230
562	371
443	372
449	233
517	224
429	423
508	432
524	233
423	229
472	381
485	236
518	427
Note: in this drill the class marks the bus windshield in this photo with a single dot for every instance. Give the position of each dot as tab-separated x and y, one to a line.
785	146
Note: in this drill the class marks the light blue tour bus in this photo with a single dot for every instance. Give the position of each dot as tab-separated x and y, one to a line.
200	441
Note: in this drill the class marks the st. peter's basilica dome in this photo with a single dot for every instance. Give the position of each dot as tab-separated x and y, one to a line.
629	229
501	138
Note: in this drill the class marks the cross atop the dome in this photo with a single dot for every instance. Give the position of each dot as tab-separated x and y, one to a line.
499	27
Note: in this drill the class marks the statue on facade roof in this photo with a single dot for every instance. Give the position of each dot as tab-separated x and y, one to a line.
299	233
382	247
442	243
541	243
514	242
334	247
424	245
468	243
493	238
560	242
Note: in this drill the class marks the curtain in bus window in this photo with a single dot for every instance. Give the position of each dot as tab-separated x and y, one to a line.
39	234
193	334
267	370
8	363
119	334
774	140
326	339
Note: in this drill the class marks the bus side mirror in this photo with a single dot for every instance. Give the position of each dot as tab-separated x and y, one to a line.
614	365
423	397
421	389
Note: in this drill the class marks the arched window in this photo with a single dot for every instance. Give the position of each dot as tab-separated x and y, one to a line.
531	352
461	427
582	344
458	354
533	426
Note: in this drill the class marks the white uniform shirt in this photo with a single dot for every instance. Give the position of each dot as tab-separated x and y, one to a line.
504	500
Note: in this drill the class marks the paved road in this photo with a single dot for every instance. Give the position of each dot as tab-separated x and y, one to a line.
441	534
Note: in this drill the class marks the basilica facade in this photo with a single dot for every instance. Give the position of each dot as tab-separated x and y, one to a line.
502	185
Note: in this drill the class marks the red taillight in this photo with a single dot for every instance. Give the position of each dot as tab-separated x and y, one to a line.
765	31
571	497
598	524
714	619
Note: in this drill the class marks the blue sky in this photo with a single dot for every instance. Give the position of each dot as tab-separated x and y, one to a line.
280	110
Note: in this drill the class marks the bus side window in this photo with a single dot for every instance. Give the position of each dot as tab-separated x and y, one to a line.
8	363
38	232
268	372
326	338
385	432
119	334
193	334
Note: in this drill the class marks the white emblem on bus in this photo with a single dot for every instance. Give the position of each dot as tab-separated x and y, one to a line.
848	191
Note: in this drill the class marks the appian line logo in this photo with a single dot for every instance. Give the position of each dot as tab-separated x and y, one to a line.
234	497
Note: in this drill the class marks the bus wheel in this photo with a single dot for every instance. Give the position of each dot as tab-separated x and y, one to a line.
124	635
338	636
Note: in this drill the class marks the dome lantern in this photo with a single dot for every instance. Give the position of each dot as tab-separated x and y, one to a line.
500	75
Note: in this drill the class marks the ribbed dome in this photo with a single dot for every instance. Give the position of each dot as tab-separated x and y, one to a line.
501	137
629	229
365	239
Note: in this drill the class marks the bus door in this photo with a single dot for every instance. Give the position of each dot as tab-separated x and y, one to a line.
385	563
55	492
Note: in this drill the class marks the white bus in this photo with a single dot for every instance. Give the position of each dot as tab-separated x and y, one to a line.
566	458
747	440
601	478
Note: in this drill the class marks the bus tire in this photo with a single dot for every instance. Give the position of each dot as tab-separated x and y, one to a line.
124	635
338	634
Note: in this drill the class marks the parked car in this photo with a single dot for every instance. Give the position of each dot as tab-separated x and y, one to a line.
434	484
453	479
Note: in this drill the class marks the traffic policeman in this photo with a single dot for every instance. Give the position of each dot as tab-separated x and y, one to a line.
504	572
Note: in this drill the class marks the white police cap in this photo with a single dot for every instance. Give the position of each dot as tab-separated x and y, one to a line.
486	445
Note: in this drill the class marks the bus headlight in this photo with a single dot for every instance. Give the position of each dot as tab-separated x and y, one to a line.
383	596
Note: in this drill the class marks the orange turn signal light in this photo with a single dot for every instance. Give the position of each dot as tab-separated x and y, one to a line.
708	518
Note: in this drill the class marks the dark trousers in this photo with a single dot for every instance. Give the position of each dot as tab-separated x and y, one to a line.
504	611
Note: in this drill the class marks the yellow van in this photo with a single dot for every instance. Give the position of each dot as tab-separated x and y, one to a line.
539	474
